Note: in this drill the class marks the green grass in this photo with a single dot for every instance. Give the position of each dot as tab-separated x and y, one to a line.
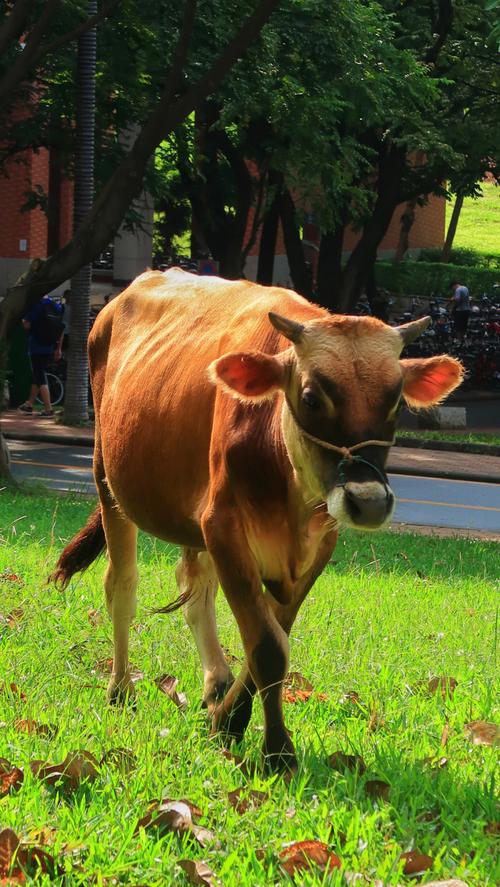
479	221
452	436
391	610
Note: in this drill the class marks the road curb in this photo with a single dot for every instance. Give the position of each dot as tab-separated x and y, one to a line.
74	440
444	474
449	446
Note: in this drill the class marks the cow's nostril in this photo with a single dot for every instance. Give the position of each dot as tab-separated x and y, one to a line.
353	504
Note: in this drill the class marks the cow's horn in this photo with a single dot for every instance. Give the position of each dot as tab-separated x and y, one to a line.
288	328
410	331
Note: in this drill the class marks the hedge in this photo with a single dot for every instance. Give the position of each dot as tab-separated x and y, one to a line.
433	278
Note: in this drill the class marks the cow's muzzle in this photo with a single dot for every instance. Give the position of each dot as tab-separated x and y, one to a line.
365	505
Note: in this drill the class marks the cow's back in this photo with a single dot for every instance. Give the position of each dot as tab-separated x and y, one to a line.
150	349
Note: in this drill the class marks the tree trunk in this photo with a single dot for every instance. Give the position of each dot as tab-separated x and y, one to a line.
330	268
452	228
77	379
300	275
406	224
364	254
267	247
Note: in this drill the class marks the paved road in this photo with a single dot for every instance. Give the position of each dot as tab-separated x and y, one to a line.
427	501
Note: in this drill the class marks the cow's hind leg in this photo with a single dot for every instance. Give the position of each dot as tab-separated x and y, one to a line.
196	576
120	583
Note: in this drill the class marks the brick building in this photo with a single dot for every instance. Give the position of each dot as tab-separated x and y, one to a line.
428	230
25	236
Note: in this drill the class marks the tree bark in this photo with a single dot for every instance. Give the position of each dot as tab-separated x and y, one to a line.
364	254
452	228
77	378
300	275
330	268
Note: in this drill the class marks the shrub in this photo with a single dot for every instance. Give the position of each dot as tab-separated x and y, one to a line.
463	256
433	278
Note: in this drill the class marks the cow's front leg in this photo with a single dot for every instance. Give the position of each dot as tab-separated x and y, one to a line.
264	641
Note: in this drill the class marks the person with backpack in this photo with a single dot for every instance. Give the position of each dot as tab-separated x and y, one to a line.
45	325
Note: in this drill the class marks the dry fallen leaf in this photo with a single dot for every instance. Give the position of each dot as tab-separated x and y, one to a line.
121	758
435	762
242	799
77	767
377	789
10	577
350	698
340	761
415	862
175	816
482	733
14	690
358	878
19	862
14	617
10	780
492	828
445	735
307	855
28	725
167	683
95	617
452	883
248	768
198	872
438	684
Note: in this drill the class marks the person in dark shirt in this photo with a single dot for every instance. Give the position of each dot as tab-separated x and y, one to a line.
461	309
41	354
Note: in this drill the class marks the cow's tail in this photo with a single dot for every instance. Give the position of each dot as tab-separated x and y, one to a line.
83	549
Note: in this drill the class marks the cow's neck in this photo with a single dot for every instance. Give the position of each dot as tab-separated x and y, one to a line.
307	491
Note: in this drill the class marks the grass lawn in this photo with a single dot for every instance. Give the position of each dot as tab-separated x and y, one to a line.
391	611
479	221
462	436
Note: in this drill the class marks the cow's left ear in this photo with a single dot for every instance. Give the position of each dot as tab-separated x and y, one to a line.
427	381
250	375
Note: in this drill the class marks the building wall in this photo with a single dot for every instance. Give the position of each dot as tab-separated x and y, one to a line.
427	231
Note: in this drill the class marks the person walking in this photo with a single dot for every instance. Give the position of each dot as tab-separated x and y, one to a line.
45	326
461	309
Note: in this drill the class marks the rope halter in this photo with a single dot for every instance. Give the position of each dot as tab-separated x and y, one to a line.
347	453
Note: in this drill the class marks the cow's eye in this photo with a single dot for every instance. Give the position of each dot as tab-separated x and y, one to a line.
310	399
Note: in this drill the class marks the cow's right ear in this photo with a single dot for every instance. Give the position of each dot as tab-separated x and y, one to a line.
249	376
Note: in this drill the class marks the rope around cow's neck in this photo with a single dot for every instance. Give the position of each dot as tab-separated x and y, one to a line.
347	453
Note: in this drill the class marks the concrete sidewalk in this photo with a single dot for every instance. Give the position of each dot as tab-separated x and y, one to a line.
402	460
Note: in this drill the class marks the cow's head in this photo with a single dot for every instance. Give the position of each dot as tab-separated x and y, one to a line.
343	384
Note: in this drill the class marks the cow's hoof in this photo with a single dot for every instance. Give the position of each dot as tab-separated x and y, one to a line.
121	692
215	692
232	725
279	754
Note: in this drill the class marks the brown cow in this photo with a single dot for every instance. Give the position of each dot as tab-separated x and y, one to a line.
244	424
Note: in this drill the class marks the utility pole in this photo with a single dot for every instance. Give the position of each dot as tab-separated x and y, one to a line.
76	399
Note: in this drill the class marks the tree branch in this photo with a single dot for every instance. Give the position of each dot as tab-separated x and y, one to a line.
441	28
123	186
18	71
14	24
80	29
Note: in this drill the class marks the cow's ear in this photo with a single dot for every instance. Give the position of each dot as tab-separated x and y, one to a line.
427	381
250	376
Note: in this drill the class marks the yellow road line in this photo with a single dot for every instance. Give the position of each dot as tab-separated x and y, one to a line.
447	504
